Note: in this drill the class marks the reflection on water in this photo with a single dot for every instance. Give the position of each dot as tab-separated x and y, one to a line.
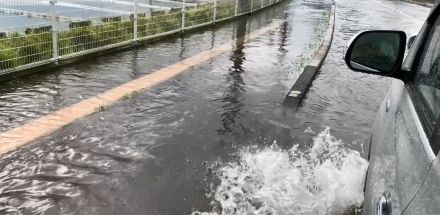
231	103
283	34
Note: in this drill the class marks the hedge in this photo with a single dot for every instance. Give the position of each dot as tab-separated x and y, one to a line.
35	44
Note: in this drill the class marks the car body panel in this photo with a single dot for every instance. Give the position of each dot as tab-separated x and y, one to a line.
428	197
400	153
381	166
414	154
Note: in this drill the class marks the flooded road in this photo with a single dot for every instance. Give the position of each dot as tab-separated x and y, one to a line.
347	101
213	140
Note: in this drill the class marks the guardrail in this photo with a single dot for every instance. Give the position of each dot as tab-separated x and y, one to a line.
65	29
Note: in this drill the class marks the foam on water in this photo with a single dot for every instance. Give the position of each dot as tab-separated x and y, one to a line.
326	179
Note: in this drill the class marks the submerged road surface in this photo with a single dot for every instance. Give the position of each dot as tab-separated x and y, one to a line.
214	139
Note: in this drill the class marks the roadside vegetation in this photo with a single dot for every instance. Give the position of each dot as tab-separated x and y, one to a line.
129	96
104	107
313	46
35	44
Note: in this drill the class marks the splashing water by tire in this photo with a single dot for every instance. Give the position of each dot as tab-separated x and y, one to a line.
326	179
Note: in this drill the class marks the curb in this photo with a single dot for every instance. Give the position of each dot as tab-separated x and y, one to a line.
299	90
420	3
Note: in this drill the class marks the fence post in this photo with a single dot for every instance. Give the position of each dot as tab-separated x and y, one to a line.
252	5
262	2
135	21
183	14
53	14
236	7
215	11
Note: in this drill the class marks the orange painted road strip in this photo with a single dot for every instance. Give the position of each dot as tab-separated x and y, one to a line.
46	125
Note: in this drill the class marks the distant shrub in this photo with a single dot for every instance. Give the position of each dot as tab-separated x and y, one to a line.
225	9
80	24
111	19
38	30
199	15
158	13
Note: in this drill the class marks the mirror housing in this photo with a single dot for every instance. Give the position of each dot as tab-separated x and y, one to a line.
377	52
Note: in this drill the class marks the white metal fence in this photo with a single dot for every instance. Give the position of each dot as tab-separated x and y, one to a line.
38	32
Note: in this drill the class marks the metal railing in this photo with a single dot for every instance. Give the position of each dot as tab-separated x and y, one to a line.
39	32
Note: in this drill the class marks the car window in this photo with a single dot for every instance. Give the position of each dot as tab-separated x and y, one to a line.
427	79
409	59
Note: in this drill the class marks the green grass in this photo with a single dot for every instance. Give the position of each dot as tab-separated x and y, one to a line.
102	108
314	45
159	23
199	15
17	49
129	96
225	10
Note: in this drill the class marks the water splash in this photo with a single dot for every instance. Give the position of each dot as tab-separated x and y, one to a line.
326	179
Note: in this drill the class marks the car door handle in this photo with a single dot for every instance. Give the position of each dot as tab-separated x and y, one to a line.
381	206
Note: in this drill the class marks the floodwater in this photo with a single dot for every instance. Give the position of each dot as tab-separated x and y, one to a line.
214	140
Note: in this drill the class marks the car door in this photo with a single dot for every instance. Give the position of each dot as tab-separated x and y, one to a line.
426	86
402	149
399	159
427	200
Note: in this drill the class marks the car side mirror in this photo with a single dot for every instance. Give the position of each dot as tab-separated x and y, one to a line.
376	52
